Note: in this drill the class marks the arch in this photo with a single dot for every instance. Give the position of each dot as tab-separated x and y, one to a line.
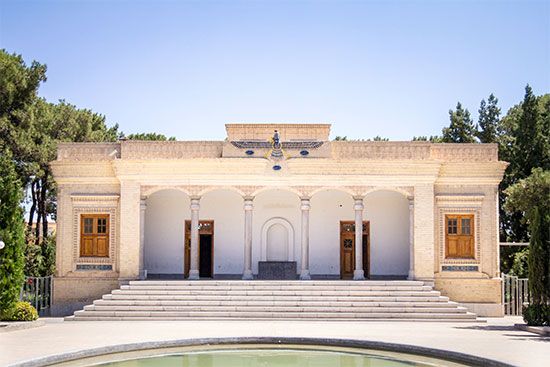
164	218
147	190
280	188
401	190
274	225
330	188
222	188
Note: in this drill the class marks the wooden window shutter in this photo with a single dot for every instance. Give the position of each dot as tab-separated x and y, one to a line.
94	235
459	236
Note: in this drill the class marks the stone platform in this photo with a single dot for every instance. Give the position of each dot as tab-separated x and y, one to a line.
302	300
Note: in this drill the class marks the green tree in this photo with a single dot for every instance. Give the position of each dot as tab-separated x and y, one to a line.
524	142
488	121
461	128
150	136
431	138
531	196
11	233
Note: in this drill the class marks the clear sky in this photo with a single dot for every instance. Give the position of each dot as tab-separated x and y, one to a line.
185	68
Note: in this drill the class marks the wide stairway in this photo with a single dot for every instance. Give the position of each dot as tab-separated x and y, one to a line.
260	299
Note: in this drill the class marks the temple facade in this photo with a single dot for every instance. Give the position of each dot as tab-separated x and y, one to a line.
278	201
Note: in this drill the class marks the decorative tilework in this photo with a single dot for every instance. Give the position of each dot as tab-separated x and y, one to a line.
460	268
93	267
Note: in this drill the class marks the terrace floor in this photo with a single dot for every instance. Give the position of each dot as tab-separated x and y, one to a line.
496	339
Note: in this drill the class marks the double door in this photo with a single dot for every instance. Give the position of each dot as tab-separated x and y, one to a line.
348	248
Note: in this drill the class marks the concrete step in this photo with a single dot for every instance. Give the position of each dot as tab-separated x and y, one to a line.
274	287
278	314
426	298
272	300
104	302
342	292
298	308
254	283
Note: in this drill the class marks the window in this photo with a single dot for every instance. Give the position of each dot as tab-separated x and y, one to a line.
459	236
94	235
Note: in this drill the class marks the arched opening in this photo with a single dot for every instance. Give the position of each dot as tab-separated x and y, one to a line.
388	214
328	209
165	215
224	208
276	216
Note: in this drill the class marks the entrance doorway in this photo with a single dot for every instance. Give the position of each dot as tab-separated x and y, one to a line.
347	249
206	248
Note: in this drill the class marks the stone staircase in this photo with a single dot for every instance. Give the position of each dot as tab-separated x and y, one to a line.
261	299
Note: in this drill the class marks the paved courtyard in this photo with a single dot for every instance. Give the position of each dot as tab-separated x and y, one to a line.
496	339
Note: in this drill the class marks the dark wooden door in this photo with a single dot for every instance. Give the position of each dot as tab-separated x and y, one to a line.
206	248
347	249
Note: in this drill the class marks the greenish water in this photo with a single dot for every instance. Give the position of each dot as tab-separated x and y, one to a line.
275	358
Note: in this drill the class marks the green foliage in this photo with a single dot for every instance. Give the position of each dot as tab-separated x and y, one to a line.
11	233
531	196
379	138
22	311
341	138
520	264
537	315
150	137
431	139
488	121
524	142
461	129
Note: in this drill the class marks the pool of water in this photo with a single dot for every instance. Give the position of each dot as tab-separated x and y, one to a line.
265	356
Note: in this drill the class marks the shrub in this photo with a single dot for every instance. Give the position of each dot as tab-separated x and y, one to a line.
537	315
23	311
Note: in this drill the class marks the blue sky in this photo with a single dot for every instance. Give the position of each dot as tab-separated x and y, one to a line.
185	68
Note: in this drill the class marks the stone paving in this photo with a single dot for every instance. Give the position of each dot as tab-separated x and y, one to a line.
497	339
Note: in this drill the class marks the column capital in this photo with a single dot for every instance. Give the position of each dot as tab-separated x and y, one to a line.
248	198
305	204
195	202
248	205
358	204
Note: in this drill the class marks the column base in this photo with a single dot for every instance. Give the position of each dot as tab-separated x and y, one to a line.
358	275
411	275
247	275
193	275
304	275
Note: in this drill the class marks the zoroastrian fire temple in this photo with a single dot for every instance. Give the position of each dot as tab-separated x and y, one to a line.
280	197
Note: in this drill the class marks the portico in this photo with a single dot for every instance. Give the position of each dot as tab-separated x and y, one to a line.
361	209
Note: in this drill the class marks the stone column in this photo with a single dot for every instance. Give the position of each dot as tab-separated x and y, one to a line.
129	250
194	263
359	273
304	273
142	207
411	239
424	233
248	206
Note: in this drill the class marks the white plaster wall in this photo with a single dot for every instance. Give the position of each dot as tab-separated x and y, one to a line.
165	216
388	213
272	204
225	207
328	208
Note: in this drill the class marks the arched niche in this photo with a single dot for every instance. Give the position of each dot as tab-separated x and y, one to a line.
277	240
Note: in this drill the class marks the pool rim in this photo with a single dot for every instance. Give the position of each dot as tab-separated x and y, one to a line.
442	354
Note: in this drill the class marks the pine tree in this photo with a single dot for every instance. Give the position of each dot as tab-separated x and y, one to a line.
11	233
461	129
488	122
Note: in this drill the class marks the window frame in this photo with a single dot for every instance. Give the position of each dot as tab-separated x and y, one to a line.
460	236
95	235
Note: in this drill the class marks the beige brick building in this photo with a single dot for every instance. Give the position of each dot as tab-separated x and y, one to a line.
279	203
